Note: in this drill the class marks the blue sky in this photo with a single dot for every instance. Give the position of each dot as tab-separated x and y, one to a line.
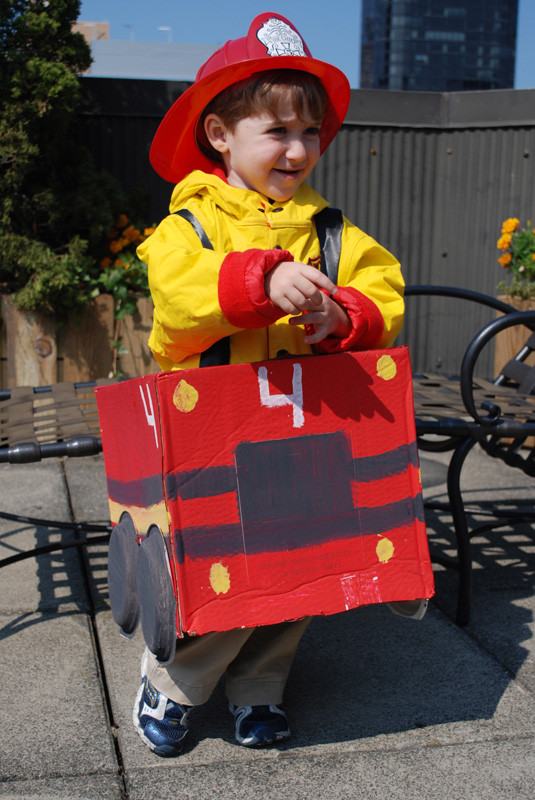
331	28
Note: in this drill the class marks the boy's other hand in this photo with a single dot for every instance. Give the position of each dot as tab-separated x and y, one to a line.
297	288
328	320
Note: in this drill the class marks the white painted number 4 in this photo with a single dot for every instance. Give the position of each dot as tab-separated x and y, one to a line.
295	400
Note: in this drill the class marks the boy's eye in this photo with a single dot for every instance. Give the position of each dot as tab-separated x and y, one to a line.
278	129
313	131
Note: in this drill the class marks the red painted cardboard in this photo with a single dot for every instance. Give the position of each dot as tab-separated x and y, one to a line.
283	488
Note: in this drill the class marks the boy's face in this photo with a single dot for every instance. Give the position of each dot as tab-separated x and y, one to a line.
270	153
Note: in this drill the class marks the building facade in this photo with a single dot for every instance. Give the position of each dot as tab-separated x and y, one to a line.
438	45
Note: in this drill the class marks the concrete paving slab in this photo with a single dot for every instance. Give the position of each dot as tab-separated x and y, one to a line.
503	622
49	581
52	700
385	682
83	787
86	480
475	771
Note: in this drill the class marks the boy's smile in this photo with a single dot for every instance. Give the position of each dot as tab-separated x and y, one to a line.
269	153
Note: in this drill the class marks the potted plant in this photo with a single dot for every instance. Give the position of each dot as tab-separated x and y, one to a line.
518	258
123	276
517	246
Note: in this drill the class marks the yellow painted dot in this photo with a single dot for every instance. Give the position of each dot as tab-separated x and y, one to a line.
185	397
219	578
386	368
384	550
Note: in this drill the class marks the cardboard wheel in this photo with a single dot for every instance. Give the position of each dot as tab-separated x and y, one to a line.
156	596
122	557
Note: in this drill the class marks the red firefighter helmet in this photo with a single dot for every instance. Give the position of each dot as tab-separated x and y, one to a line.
271	43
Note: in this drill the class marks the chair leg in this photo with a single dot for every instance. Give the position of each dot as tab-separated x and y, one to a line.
462	534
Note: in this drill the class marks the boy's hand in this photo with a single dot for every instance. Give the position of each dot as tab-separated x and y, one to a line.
329	319
296	288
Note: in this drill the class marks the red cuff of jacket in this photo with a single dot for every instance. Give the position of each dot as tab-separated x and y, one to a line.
242	296
366	319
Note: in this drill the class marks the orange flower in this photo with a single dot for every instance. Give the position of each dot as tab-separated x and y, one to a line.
131	233
505	259
510	225
105	263
504	241
148	231
121	221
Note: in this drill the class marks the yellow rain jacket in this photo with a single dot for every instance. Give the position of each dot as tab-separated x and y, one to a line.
202	295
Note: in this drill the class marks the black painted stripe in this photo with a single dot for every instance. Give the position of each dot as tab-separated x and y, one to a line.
212	481
386	465
206	482
282	535
142	492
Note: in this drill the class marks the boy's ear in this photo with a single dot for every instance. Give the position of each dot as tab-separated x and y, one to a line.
216	132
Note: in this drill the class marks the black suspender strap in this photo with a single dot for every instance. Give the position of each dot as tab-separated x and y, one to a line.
185	213
219	352
329	225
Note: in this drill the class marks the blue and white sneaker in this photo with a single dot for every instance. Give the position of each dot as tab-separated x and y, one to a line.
161	723
257	726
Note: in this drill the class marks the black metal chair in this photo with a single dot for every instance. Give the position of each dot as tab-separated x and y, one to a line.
457	412
46	422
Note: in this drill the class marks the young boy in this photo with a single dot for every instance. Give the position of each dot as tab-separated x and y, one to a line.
237	262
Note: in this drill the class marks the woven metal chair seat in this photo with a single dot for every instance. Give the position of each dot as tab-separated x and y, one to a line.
53	420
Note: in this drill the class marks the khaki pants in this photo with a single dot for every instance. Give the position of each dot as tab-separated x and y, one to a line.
256	661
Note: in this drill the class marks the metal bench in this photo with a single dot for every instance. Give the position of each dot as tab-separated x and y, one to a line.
453	413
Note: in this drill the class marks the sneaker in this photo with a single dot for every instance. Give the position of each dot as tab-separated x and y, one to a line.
161	723
257	726
411	609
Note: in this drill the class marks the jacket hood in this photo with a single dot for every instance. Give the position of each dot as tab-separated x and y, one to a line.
239	203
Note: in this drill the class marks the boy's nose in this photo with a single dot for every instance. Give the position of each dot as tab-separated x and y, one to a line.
296	150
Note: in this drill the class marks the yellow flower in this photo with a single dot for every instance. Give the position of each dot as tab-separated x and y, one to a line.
505	259
510	225
504	241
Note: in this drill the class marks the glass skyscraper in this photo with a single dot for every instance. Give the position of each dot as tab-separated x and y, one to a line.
438	45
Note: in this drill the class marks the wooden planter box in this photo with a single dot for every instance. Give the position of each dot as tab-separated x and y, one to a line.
511	340
34	351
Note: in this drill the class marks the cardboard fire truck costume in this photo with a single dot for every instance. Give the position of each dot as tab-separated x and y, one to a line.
251	494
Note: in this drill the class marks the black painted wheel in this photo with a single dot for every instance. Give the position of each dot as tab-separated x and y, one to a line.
156	596
122	557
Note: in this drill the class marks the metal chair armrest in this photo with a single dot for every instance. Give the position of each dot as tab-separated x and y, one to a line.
480	340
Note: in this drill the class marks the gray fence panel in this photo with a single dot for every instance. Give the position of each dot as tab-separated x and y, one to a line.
436	199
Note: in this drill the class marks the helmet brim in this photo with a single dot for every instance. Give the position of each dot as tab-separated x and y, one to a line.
175	151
